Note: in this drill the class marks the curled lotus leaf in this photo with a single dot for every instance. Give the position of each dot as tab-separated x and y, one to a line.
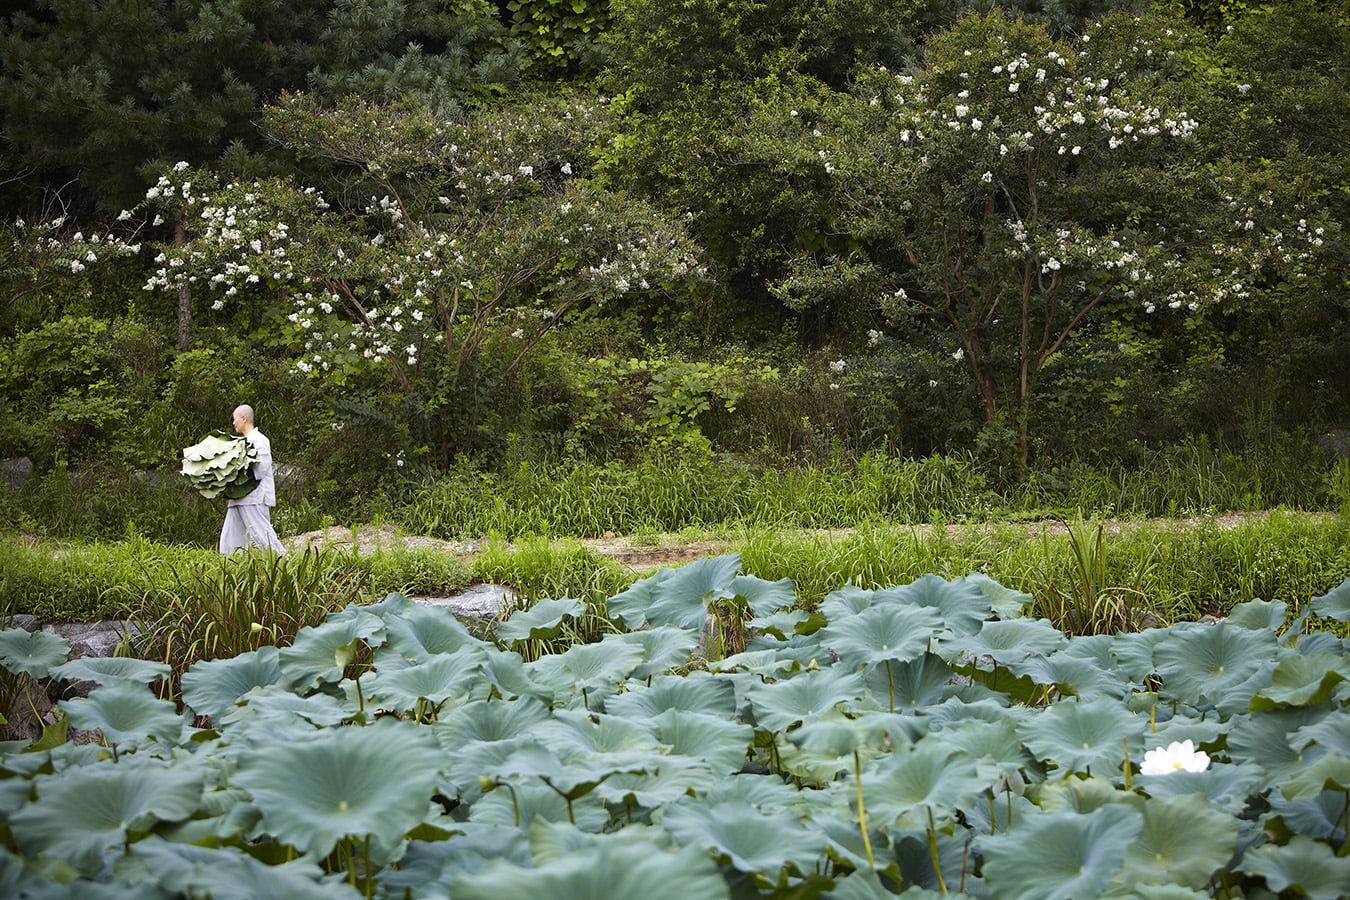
32	653
1062	855
1226	787
539	622
212	687
112	669
749	840
596	733
1080	735
1008	641
1007	603
667	780
1307	867
343	782
929	778
765	597
86	811
517	805
127	713
1332	733
1204	664
603	871
438	679
1303	681
679	597
719	742
1335	603
320	653
1258	615
227	873
782	704
663	648
846	601
273	706
961	604
586	666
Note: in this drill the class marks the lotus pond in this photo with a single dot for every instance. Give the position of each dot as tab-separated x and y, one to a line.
922	740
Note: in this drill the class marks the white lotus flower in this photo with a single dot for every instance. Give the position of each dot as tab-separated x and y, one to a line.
1178	756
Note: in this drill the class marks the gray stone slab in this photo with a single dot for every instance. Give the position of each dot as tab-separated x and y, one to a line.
481	601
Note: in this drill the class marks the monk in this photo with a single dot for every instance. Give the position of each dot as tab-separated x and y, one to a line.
248	520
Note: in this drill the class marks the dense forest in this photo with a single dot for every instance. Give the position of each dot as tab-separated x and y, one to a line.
427	237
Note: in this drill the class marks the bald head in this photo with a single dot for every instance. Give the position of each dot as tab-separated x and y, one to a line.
243	418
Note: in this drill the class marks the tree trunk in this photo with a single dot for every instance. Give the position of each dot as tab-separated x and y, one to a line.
184	292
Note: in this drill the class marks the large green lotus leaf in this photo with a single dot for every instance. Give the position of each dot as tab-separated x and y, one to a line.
488	721
440	678
586	667
274	706
767	795
663	648
1183	841
552	842
127	713
962	605
1330	772
428	869
780	705
32	653
1303	681
678	597
865	884
914	858
783	625
840	737
1080	735
902	789
467	766
696	692
1007	603
1305	866
226	873
517	805
343	782
764	597
573	777
909	685
320	653
1081	795
596	733
889	631
1335	603
1133	651
1258	615
845	601
1265	738
508	676
1075	676
1228	787
717	741
1118	891
989	708
419	632
760	663
211	687
1203	665
750	841
605	871
86	811
995	747
667	780
1332	733
539	622
1008	641
1060	856
108	670
1318	817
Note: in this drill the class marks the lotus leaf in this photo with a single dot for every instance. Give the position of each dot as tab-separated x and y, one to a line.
586	667
1334	604
962	604
435	681
518	805
1008	642
1318	817
1184	841
417	633
1060	856
111	669
1007	603
1258	615
1265	738
595	733
903	789
765	597
889	632
1332	733
1208	663
779	705
714	740
846	601
602	872
1329	772
320	653
1080	735
679	597
88	811
430	868
32	653
916	683
695	692
211	687
751	841
663	648
273	707
1303	865
488	721
667	780
127	713
1303	681
345	782
540	621
227	873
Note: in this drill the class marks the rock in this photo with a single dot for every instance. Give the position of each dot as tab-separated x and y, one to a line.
21	620
17	472
95	638
481	601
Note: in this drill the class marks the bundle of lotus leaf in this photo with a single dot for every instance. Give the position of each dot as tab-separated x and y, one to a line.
221	464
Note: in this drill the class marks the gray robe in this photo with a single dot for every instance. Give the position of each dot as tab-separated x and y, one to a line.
248	520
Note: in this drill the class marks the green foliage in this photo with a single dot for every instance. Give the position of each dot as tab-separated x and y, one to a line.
600	768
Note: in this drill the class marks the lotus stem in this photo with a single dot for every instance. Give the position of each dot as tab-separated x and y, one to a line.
1129	775
862	811
933	852
890	681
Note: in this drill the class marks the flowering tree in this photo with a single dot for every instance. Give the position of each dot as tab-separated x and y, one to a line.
1017	188
439	236
35	256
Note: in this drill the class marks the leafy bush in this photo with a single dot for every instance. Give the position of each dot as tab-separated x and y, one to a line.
913	739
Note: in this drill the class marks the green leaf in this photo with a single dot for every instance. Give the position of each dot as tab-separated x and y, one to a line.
604	871
779	705
1304	865
540	622
1009	641
1258	615
667	780
910	685
440	678
417	633
112	669
1077	736
127	712
1210	664
663	648
962	605
678	597
585	667
1184	841
747	839
1008	603
1303	681
903	788
85	811
343	782
765	597
714	740
889	631
1060	856
1335	603
226	873
32	653
488	721
320	653
697	692
211	687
